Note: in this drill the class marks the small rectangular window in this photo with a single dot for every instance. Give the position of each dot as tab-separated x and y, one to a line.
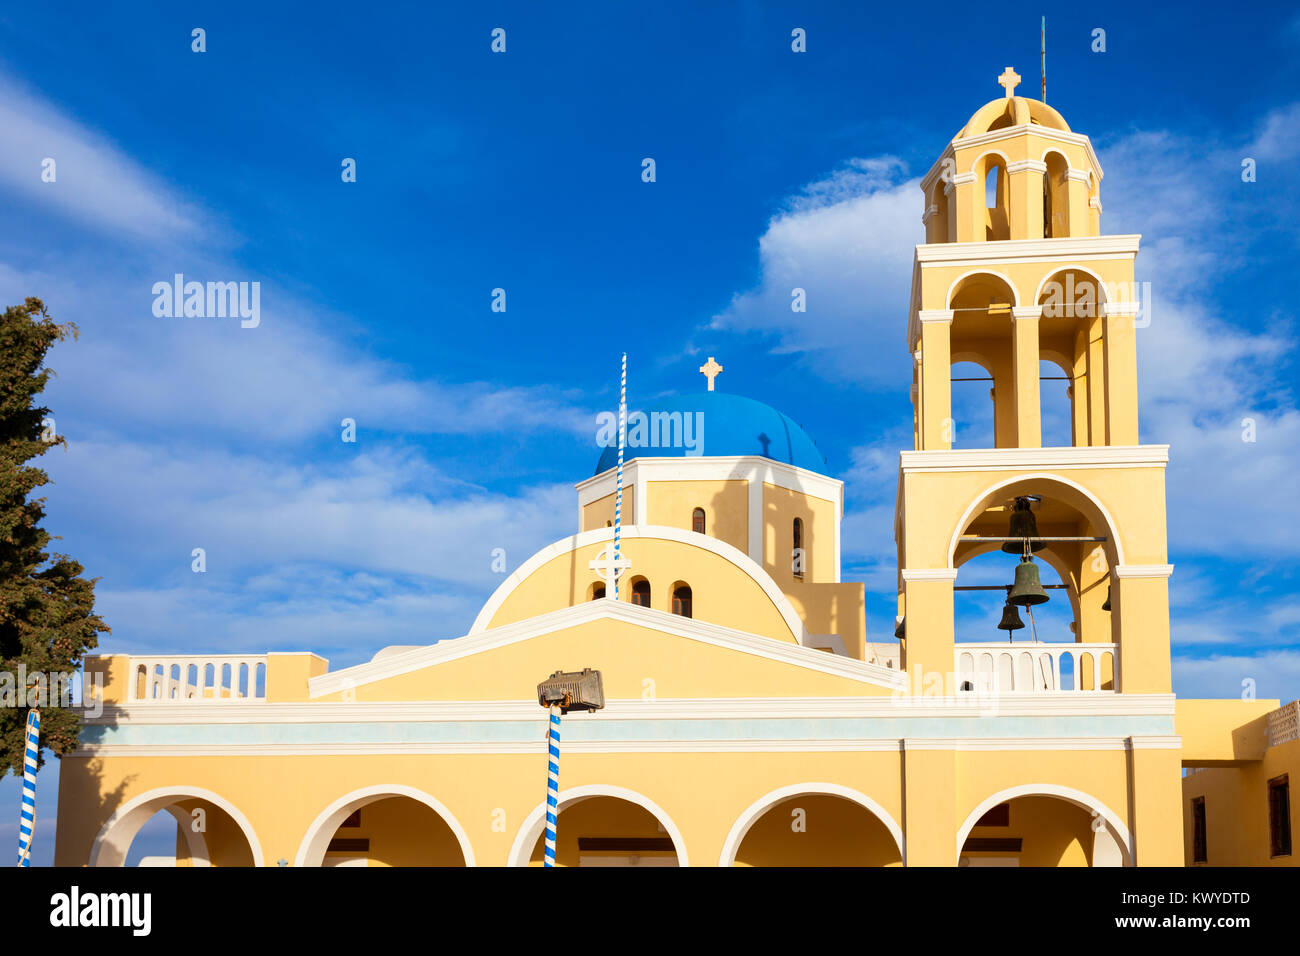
1279	816
1198	830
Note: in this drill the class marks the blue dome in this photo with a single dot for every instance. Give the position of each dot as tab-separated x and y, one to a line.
719	425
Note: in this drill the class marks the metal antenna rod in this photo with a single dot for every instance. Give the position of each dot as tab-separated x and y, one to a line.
1042	55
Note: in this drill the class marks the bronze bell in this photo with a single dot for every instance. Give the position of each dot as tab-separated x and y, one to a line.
1023	525
1010	618
1106	606
1027	590
901	631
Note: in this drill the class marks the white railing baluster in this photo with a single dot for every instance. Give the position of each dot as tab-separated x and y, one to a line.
1020	668
167	679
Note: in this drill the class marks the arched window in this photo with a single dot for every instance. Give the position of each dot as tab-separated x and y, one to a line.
641	592
697	521
597	591
682	600
797	555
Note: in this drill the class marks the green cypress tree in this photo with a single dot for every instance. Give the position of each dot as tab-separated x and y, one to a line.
47	609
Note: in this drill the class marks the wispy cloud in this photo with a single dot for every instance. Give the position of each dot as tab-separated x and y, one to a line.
96	182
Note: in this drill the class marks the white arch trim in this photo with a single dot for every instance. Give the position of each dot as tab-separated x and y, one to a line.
115	836
989	152
746	820
194	841
1101	284
311	852
723	550
1077	797
969	513
1015	293
522	848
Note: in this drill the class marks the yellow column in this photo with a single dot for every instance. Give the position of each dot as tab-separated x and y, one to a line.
1096	382
969	208
1139	610
1026	177
1025	383
927	651
929	804
1079	390
1155	770
950	191
1077	189
1120	340
936	378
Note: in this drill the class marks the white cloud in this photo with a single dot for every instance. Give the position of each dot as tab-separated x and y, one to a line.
847	242
96	181
1274	674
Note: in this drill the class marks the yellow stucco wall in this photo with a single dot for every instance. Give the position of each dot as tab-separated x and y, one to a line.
723	593
725	504
1236	809
628	657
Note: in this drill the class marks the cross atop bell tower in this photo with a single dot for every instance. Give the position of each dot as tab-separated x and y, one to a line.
1009	80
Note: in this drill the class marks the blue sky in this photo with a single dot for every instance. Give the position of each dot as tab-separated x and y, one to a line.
522	171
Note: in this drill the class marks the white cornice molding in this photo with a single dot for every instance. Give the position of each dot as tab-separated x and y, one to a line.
1012	459
1046	132
1026	165
1143	570
1041	743
714	468
1027	250
680	708
959	179
1026	312
940	316
1095	203
1121	308
1009	132
929	574
670	745
1079	175
716	635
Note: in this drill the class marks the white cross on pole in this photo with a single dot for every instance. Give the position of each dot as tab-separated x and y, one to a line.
609	568
1009	80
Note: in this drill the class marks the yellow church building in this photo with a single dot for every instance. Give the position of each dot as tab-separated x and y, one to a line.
750	718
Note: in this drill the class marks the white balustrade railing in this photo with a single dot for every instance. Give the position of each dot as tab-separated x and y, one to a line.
1030	667
197	678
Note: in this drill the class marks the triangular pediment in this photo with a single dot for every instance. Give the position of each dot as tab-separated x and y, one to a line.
640	651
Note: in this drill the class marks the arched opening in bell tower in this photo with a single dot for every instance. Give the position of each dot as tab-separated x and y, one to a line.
1056	200
991	170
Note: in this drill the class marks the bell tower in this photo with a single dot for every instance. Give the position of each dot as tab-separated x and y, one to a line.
1014	272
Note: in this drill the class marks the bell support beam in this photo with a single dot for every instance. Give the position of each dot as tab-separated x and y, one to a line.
1025	375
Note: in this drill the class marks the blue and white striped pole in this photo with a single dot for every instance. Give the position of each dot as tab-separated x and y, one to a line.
27	819
552	784
618	493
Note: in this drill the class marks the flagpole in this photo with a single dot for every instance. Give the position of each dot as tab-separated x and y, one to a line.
552	784
618	493
27	817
